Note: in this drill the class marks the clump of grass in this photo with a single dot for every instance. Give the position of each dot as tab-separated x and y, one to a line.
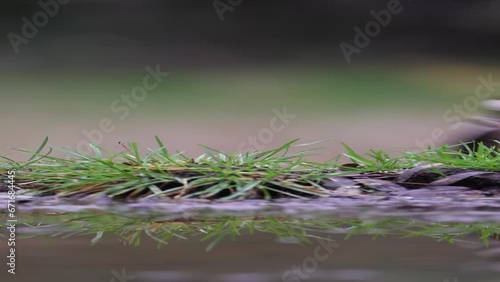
474	156
162	174
215	174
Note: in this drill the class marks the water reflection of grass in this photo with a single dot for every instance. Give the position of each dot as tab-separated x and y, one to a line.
131	230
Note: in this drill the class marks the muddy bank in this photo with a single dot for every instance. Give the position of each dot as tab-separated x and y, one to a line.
434	209
425	192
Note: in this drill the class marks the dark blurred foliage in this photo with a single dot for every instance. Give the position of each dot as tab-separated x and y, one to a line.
189	34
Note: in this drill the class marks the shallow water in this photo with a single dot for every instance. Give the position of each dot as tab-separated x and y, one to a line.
254	258
435	209
55	236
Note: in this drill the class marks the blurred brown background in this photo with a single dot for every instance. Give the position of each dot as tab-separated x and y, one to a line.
233	65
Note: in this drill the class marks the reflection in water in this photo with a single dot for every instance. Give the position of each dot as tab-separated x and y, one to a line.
104	246
130	229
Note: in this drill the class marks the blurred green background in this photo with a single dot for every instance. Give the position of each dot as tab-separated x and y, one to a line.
226	77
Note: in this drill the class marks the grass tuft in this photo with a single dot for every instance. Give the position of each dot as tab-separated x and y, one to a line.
269	174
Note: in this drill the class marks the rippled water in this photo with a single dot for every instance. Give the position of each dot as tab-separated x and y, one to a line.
255	258
274	251
435	209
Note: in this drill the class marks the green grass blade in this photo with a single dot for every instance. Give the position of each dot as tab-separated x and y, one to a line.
37	152
164	150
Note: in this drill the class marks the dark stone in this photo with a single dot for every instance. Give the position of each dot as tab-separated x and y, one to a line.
454	179
423	175
481	181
